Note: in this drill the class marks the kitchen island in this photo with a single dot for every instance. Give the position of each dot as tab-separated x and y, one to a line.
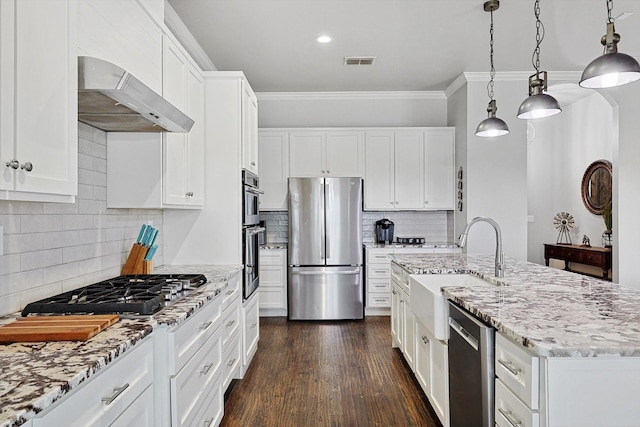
36	375
567	346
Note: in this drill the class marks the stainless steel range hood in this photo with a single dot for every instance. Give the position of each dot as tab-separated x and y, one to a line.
111	99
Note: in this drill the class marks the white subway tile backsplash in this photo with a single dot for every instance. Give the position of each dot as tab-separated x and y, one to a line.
50	248
434	226
9	263
19	243
40	223
40	259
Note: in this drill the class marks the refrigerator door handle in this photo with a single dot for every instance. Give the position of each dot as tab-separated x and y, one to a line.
328	273
327	225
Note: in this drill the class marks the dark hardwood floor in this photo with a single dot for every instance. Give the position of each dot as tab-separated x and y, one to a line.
327	374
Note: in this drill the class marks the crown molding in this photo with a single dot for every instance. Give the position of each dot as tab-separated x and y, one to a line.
350	95
184	36
555	77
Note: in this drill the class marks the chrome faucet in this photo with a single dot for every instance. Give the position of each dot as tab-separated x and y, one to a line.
499	255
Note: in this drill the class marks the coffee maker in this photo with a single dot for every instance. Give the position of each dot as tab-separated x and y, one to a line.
384	231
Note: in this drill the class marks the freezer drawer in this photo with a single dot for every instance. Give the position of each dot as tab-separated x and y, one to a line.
325	293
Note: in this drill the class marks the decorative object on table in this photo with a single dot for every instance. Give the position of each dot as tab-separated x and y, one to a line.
586	242
460	185
607	217
563	221
597	186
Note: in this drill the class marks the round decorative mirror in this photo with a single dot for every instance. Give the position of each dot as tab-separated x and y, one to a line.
597	185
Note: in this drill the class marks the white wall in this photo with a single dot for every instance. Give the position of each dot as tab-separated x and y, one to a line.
54	247
561	150
457	117
626	185
351	109
495	169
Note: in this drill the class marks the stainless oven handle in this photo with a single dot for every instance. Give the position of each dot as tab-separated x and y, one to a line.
255	230
253	190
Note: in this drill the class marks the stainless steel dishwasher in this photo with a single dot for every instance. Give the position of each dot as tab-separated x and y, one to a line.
471	372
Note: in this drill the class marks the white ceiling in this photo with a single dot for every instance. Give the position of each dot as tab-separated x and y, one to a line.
420	45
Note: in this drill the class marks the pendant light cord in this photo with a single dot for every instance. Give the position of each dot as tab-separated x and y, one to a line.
609	8
492	72
535	58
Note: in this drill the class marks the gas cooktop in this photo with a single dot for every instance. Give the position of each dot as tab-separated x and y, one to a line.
132	294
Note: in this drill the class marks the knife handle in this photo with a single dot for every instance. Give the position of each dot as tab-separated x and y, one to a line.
141	234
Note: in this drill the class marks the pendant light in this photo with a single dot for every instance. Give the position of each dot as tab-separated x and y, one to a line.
612	68
538	104
491	126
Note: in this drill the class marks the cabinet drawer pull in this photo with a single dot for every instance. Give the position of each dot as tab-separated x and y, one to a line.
253	163
253	325
231	362
508	366
13	164
507	415
206	368
230	292
117	391
230	323
208	422
425	339
380	299
205	325
381	271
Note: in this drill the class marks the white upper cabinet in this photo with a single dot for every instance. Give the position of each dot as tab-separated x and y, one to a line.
172	164
379	184
183	86
409	169
439	184
249	129
38	106
336	153
274	170
393	170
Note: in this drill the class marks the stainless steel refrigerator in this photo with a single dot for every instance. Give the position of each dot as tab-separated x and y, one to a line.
325	249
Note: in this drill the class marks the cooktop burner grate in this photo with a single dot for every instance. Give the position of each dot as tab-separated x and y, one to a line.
137	294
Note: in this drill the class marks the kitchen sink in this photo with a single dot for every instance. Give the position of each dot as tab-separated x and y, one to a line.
428	303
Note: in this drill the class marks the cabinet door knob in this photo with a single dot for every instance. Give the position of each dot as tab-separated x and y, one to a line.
328	171
425	339
27	167
391	203
253	163
13	164
396	202
323	171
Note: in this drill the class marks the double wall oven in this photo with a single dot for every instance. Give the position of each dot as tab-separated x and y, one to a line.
251	233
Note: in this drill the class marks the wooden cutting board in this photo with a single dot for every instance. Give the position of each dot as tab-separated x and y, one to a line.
56	328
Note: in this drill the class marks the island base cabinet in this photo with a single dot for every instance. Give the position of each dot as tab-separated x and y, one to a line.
432	370
591	391
512	411
113	394
250	330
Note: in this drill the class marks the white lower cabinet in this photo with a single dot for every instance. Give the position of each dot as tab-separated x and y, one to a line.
250	330
231	334
117	395
432	370
273	282
378	275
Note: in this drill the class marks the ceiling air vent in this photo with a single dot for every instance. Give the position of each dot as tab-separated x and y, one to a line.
359	60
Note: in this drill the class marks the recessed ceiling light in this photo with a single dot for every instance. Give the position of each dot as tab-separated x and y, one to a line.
323	39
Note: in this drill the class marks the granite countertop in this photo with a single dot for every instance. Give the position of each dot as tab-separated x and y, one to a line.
35	375
426	245
554	313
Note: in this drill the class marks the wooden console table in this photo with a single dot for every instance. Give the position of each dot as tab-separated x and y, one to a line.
594	255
